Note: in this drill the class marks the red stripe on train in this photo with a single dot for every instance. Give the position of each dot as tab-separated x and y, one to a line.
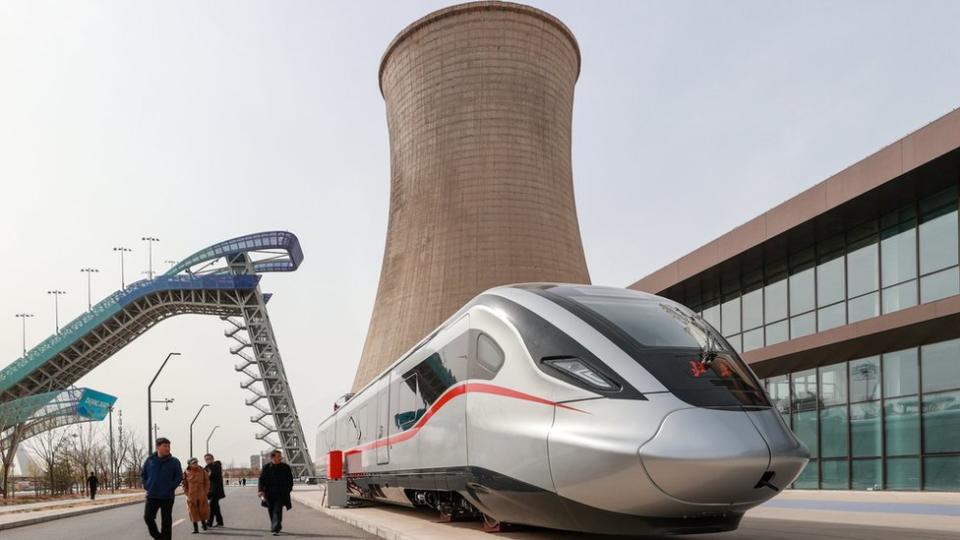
470	387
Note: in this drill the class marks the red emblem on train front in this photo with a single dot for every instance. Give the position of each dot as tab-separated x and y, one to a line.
697	368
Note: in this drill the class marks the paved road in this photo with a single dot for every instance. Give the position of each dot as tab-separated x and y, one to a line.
243	516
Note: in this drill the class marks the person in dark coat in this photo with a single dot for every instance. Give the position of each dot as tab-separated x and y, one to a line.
161	476
92	483
274	487
215	469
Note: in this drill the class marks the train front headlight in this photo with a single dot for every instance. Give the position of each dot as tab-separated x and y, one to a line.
579	370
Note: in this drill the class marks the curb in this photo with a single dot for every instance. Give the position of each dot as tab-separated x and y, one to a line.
64	515
381	532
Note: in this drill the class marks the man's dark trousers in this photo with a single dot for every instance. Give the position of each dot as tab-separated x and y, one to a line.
93	492
165	506
275	509
215	514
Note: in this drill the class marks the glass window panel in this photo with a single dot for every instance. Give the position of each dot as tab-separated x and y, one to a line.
941	422
778	388
834	474
805	390
712	316
801	292
831	316
902	425
865	379
753	309
939	285
830	282
803	325
938	242
867	474
903	473
865	435
941	365
808	478
777	332
863	270
736	343
775	301
730	317
753	339
833	384
864	307
898	256
833	432
900	373
941	473
805	428
900	297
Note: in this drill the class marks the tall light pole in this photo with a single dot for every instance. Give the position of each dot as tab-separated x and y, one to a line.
23	320
208	437
112	468
150	424
191	427
56	307
89	272
122	250
150	240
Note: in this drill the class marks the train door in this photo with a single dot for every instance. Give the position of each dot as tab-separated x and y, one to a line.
383	422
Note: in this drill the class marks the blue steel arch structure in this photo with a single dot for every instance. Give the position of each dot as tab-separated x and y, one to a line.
222	280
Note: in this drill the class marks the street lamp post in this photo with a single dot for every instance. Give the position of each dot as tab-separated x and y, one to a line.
88	272
23	319
208	438
113	482
150	240
191	426
56	307
150	401
122	250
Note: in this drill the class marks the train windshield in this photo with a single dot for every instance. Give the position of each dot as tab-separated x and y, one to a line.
675	345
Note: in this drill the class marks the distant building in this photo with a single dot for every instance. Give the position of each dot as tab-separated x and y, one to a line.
846	300
479	101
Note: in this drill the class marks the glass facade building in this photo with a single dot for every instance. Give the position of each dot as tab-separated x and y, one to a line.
890	421
890	262
849	312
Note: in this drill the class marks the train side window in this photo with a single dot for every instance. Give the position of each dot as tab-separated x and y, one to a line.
442	369
489	358
408	408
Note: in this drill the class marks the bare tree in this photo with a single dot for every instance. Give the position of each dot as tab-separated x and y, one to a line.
50	447
82	451
136	454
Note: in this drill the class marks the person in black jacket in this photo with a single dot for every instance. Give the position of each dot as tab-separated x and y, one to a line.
215	469
92	483
161	476
274	487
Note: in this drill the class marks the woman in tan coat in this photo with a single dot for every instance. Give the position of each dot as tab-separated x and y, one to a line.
196	484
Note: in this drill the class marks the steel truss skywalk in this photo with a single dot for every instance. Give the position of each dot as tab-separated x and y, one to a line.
221	280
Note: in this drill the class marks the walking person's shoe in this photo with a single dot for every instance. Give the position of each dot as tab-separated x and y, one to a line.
195	529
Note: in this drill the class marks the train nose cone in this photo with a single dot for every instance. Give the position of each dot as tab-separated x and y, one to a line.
706	456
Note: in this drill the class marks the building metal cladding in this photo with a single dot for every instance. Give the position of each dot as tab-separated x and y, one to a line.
479	101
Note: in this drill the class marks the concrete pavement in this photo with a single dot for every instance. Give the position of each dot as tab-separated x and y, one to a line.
796	515
243	516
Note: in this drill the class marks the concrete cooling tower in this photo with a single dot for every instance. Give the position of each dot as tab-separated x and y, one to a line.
479	100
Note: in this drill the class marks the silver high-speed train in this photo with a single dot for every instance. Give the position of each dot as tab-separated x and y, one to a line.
574	407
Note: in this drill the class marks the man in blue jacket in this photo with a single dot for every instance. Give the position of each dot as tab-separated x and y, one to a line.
161	475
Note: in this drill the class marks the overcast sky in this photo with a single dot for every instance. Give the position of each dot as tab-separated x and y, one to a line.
198	121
